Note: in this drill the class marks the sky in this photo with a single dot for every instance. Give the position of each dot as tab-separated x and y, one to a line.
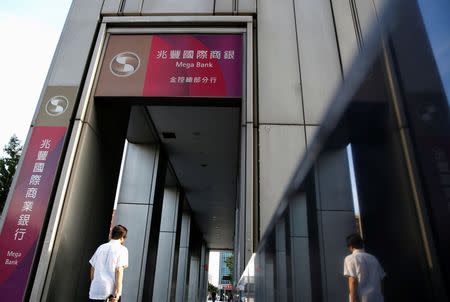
30	31
437	24
213	268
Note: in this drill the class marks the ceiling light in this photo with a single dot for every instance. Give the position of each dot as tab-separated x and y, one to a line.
204	165
169	135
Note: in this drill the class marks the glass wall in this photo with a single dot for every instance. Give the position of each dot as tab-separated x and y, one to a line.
379	165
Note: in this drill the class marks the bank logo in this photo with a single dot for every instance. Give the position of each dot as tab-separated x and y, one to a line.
57	105
125	64
428	112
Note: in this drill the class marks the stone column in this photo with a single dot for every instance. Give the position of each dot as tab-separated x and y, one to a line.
165	262
335	220
139	209
183	257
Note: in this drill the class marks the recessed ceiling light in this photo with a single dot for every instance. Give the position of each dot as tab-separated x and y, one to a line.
204	165
169	135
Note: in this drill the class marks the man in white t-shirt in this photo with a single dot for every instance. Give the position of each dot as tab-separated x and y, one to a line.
107	265
364	272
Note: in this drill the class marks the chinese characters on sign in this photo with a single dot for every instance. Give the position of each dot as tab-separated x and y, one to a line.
31	193
200	54
27	210
203	80
195	65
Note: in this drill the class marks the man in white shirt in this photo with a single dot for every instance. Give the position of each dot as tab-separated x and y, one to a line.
107	265
364	272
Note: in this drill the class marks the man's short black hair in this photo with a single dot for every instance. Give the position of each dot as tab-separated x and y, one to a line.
118	232
355	241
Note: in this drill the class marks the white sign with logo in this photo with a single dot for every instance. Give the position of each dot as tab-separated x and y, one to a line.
124	64
57	105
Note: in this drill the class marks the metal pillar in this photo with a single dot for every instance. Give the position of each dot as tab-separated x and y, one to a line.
181	287
165	262
336	220
139	209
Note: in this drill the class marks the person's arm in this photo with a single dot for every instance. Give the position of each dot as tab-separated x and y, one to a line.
92	272
118	282
353	289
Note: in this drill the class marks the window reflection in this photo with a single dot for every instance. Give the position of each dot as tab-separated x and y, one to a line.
436	16
354	190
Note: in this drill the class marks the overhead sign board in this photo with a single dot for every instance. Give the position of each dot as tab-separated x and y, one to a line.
172	65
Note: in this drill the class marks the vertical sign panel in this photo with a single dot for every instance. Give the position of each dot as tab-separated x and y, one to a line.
26	213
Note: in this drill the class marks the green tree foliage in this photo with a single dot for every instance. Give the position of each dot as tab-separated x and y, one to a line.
229	262
8	165
212	288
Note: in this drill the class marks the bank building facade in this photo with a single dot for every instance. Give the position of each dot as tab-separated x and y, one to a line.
271	129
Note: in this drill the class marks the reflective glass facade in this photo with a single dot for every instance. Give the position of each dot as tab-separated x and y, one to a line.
390	121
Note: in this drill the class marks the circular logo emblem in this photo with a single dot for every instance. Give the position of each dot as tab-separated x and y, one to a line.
429	114
124	64
57	105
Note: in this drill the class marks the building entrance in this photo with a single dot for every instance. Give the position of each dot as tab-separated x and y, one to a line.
162	148
170	175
